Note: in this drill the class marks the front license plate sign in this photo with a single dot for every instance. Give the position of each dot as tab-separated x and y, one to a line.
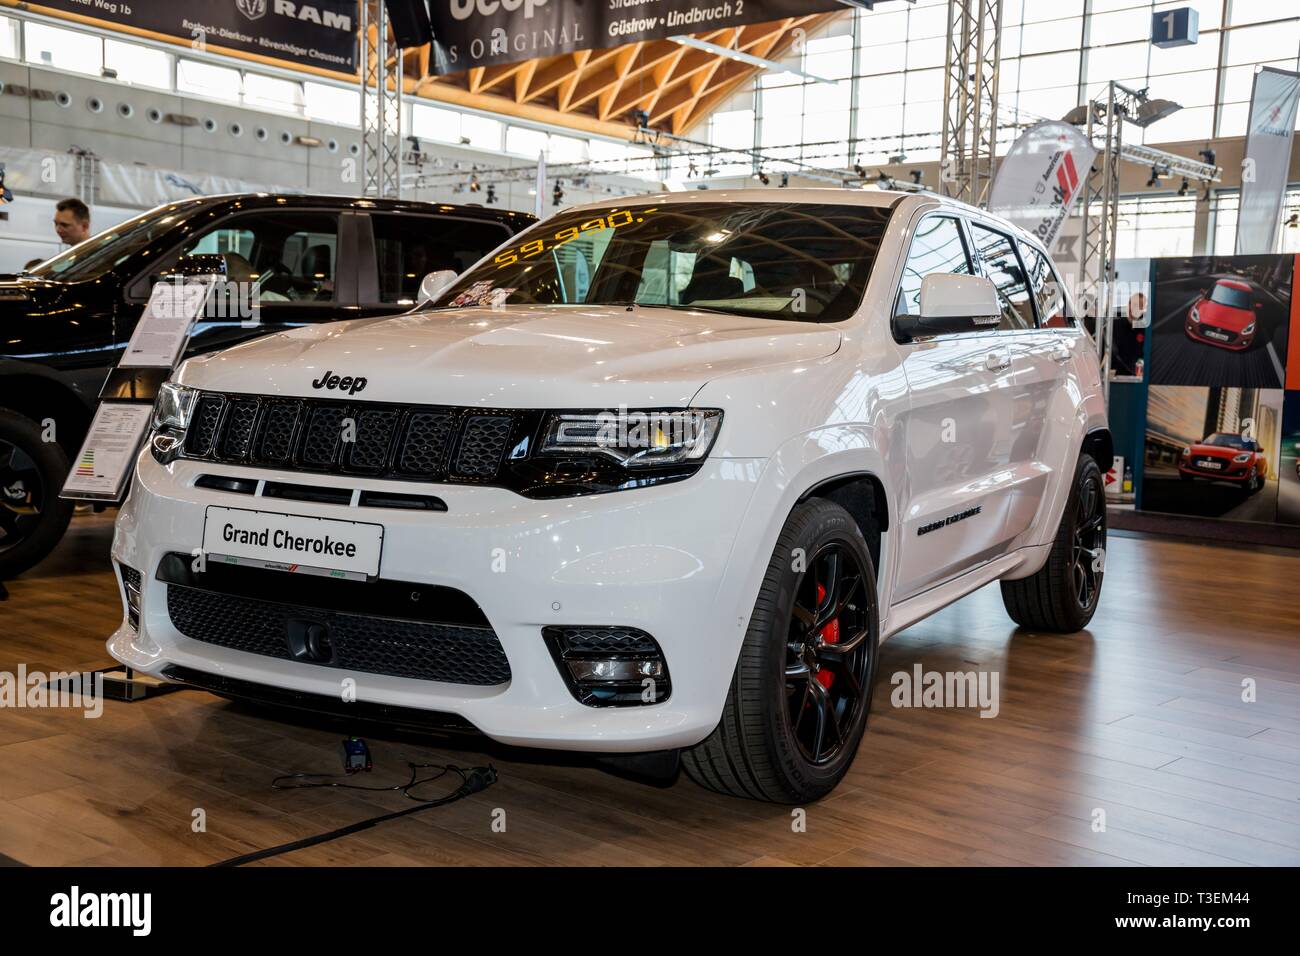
346	549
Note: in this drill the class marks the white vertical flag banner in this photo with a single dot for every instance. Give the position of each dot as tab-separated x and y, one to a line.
538	206
1040	178
1269	136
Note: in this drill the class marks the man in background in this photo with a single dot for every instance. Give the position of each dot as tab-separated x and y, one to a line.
72	221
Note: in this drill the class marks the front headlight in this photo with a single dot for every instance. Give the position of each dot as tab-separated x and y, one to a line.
1195	314
634	439
1248	329
1242	458
171	419
1187	451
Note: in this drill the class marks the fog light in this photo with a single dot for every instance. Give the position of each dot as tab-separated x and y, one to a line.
614	669
609	666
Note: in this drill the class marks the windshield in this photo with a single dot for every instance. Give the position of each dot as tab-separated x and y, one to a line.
1230	441
105	250
796	261
1230	296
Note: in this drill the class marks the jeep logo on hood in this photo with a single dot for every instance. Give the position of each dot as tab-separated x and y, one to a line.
346	383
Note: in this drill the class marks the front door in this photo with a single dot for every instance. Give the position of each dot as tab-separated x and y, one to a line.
960	429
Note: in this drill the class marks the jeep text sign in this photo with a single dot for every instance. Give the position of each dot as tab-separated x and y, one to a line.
470	33
319	33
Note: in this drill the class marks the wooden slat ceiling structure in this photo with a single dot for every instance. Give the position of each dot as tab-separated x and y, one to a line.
600	90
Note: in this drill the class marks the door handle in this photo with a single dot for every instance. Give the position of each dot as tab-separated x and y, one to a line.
1061	354
997	361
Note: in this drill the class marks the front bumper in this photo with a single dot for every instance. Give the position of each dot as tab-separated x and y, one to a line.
1229	472
1223	338
656	559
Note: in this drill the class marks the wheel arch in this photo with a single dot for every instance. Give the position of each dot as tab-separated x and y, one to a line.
39	398
862	495
1100	445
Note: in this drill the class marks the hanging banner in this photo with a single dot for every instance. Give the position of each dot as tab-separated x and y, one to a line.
1269	135
1040	177
319	33
472	33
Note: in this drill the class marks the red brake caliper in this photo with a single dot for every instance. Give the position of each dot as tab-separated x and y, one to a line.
830	634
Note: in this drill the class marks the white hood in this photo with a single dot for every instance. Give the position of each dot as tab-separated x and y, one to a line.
519	357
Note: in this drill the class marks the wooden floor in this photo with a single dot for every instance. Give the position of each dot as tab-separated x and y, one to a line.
1140	717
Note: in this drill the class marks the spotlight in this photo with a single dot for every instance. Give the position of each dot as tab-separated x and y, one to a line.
883	179
916	175
557	194
1155	177
491	195
861	173
1182	190
474	185
1294	221
1152	110
642	119
785	180
1209	157
762	177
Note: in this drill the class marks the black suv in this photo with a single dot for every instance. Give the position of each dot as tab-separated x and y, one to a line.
307	258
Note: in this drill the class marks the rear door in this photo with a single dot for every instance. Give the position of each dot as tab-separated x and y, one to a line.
959	429
1057	353
399	249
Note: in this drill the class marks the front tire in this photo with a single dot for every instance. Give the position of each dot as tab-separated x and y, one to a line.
1062	596
801	690
32	515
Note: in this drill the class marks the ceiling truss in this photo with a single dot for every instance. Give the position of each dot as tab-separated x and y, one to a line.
675	84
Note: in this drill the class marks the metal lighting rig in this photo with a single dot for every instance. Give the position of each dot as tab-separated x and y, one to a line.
381	105
972	60
1106	116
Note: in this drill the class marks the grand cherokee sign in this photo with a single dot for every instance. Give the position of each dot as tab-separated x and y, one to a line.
470	33
319	33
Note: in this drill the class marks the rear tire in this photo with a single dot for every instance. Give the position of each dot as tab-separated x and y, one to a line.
1053	599
32	515
808	661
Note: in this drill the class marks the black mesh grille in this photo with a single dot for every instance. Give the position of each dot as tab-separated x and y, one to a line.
449	653
605	640
403	442
324	432
374	434
203	429
130	577
238	433
482	445
276	442
426	442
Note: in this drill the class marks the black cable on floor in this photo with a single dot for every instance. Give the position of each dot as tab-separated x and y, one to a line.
472	781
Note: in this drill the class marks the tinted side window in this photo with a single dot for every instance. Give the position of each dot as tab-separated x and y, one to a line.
1049	295
1002	265
938	246
287	256
410	247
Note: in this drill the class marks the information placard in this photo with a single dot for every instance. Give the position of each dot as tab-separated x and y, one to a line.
160	335
108	454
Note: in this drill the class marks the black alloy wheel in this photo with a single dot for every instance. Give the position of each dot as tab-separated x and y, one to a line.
828	653
1089	543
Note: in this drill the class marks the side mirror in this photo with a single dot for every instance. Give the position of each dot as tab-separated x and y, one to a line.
435	284
952	303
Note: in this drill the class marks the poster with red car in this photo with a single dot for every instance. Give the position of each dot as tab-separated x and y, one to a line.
1222	321
1213	452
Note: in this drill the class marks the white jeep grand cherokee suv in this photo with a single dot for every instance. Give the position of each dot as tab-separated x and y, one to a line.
654	477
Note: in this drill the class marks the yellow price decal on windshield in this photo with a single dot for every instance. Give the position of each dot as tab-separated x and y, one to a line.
616	219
